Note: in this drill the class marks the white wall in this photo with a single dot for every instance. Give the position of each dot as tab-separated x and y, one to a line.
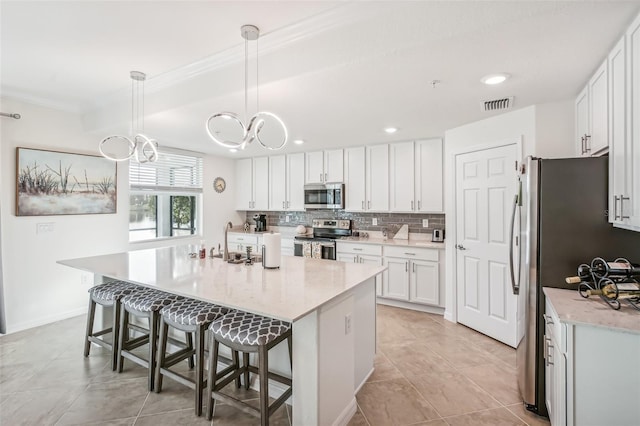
544	130
36	289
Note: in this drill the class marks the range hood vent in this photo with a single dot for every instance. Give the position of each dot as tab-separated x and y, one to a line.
497	104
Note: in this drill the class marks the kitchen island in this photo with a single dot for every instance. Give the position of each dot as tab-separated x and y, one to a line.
330	304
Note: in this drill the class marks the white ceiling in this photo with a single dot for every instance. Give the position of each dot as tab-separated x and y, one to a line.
336	72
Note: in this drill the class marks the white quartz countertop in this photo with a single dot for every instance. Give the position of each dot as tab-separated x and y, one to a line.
391	242
298	287
593	311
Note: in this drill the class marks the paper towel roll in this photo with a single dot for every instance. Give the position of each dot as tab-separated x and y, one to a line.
271	250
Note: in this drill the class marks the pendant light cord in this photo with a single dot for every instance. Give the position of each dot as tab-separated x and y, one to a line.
246	79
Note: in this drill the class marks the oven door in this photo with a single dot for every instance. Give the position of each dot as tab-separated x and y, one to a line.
327	249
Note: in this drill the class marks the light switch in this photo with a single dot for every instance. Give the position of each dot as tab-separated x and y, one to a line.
374	221
425	223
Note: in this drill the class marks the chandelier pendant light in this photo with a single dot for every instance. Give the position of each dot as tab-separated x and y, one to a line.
252	130
140	147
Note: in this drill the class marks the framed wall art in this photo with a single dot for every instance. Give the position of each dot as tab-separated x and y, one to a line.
62	183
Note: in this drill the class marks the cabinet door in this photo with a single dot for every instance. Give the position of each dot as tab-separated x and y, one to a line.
582	122
428	171
377	178
633	117
261	183
244	184
395	280
401	177
354	181
599	99
334	166
314	167
277	183
295	182
549	374
373	260
347	257
424	282
618	151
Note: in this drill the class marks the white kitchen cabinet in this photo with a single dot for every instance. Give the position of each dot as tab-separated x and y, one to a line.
415	177
619	145
361	253
633	123
555	363
592	117
428	176
286	182
401	177
367	178
239	242
252	177
286	246
598	111
413	275
582	122
324	166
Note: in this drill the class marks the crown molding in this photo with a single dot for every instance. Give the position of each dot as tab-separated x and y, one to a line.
20	96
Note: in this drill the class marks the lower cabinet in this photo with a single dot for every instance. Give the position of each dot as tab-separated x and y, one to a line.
361	253
240	242
555	368
412	275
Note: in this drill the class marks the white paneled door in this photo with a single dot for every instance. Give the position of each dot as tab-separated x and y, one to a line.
485	188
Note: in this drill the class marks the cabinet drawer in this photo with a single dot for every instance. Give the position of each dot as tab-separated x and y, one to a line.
242	239
557	329
412	253
370	249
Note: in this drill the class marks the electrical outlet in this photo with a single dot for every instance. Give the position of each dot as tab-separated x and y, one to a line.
425	223
374	221
42	228
85	279
347	324
287	218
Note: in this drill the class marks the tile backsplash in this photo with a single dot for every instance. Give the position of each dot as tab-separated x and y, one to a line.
359	221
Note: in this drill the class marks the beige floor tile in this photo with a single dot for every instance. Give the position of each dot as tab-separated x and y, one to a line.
501	382
496	417
119	422
38	407
107	401
414	358
451	393
437	422
527	416
460	353
383	369
64	371
358	419
392	330
174	396
393	402
181	417
227	415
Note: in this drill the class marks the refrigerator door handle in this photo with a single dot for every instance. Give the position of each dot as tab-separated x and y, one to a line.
514	286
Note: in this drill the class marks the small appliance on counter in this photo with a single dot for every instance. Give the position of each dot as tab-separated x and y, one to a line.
437	236
261	222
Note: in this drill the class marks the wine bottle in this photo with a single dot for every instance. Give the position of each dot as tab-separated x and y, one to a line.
625	290
619	267
584	275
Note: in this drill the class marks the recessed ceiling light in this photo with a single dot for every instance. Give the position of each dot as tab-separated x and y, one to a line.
233	150
492	79
298	141
391	129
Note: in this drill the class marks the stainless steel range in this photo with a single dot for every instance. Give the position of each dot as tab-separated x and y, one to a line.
322	244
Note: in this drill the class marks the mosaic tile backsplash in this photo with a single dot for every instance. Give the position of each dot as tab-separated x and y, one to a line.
359	221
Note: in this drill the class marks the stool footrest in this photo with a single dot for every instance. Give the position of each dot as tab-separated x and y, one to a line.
234	402
273	376
137	342
181	379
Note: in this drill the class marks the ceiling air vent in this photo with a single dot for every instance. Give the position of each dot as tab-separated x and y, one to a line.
497	104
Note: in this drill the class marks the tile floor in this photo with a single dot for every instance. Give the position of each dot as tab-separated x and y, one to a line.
428	372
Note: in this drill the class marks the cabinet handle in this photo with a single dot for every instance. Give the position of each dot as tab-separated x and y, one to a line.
320	177
288	204
406	266
283	205
549	352
615	207
411	204
363	205
369	205
587	146
547	319
622	198
419	205
414	268
582	145
325	177
410	254
357	249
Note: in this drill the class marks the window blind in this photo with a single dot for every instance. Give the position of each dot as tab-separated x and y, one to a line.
172	172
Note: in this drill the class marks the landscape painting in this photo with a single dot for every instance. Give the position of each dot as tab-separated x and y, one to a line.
59	183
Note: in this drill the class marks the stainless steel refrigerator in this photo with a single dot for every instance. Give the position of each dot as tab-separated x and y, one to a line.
561	218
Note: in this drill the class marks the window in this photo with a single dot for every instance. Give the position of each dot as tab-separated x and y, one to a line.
165	196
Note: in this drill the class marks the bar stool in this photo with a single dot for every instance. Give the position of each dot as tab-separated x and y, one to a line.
145	303
191	316
246	332
107	295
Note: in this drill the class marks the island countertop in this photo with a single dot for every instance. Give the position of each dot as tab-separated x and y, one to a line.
298	287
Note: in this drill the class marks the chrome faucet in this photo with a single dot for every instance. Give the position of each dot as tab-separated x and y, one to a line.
225	255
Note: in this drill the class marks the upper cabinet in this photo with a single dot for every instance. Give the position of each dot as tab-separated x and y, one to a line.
632	206
415	176
366	178
252	180
286	182
324	166
592	135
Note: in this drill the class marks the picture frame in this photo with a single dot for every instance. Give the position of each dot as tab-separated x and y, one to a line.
51	183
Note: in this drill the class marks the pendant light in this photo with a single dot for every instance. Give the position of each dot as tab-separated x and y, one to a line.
142	148
223	120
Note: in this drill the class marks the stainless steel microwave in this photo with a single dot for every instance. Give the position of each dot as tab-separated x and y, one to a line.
324	196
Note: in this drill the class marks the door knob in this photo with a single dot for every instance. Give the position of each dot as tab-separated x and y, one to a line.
460	247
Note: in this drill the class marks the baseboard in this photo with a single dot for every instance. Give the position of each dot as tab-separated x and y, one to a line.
448	315
414	306
346	415
364	381
14	328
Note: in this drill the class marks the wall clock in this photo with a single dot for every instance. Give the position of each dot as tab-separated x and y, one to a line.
219	184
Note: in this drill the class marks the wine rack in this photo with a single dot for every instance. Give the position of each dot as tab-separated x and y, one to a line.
614	282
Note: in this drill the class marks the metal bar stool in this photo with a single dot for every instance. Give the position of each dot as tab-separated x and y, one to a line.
107	295
246	332
191	316
146	303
